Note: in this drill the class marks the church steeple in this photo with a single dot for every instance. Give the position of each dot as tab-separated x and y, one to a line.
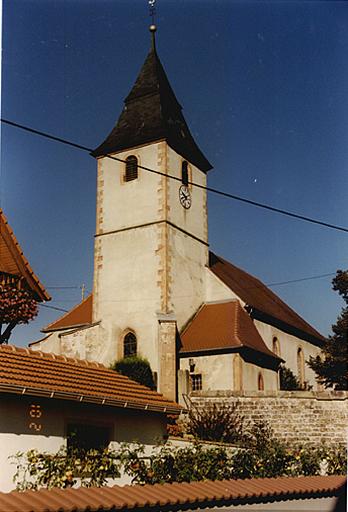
152	113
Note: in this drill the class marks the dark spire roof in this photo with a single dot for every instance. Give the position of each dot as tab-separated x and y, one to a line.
152	112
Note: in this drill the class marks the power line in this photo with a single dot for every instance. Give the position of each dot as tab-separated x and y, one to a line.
53	307
197	185
63	287
302	279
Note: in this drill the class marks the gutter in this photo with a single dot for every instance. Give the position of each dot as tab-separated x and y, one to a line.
92	399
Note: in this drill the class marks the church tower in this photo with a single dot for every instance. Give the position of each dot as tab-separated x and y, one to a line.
151	243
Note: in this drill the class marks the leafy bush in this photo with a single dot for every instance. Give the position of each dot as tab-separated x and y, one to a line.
43	470
136	368
169	464
216	422
264	456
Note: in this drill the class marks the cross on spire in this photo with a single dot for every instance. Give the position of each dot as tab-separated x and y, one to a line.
153	28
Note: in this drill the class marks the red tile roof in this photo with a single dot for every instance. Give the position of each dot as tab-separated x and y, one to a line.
13	261
221	326
35	373
78	316
254	293
180	496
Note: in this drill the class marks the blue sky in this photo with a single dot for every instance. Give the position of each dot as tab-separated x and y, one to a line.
264	90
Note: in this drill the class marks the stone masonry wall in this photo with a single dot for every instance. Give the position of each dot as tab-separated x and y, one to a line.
297	417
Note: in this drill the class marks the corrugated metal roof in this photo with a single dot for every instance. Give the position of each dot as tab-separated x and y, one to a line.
254	293
221	326
178	496
35	373
13	261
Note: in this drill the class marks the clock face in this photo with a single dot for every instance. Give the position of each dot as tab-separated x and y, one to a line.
185	197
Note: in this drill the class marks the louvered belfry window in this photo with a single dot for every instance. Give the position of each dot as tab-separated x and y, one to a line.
184	173
131	168
130	345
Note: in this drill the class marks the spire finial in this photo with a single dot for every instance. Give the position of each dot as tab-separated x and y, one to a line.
153	28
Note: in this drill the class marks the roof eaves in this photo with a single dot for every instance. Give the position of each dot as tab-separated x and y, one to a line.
76	328
77	397
283	326
21	260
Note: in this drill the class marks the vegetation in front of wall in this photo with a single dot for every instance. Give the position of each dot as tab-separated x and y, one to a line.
136	368
63	469
262	456
331	367
288	380
216	422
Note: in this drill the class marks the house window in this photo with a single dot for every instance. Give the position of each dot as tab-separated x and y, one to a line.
131	168
184	173
196	381
130	345
276	346
260	383
300	367
83	437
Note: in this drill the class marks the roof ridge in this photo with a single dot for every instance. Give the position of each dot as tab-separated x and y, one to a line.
82	363
238	308
54	357
277	307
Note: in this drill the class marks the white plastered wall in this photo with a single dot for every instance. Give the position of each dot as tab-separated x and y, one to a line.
18	434
289	346
216	370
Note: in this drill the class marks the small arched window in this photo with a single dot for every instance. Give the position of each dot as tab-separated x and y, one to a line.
131	168
260	383
184	173
237	373
130	345
300	366
276	346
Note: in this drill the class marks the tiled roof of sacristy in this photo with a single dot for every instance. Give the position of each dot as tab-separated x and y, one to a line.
35	373
176	496
79	316
152	113
224	325
13	261
255	294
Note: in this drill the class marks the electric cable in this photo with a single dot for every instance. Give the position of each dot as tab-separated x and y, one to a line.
197	185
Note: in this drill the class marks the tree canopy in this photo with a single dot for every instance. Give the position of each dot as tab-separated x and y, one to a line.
17	306
331	368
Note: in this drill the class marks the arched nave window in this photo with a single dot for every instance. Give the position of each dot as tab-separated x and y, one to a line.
300	366
260	383
276	346
130	345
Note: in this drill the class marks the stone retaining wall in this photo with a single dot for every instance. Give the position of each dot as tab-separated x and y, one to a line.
297	417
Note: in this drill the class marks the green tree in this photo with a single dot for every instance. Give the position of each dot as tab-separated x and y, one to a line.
288	381
331	366
136	368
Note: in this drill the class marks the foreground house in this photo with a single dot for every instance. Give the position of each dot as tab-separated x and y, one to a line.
15	274
45	398
315	493
158	291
